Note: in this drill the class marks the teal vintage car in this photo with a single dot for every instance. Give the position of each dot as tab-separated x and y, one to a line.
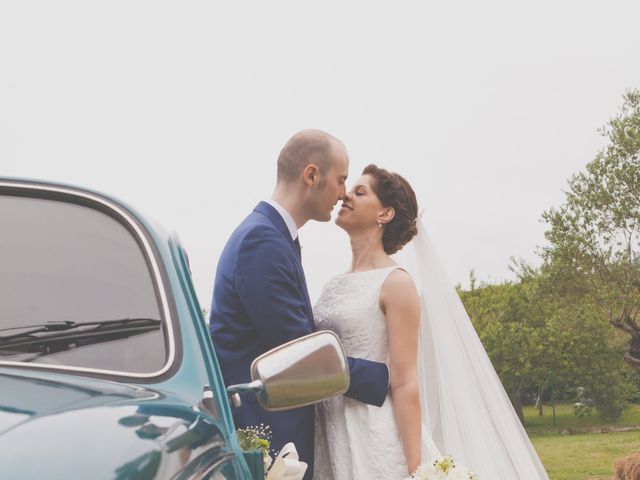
106	365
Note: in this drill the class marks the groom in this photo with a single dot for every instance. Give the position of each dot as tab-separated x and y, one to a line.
260	297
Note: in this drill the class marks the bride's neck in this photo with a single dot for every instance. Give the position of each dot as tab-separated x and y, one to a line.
367	251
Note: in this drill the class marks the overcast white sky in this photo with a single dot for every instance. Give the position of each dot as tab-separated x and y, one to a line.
180	109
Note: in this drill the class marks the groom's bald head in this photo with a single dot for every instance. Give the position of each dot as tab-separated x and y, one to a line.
306	147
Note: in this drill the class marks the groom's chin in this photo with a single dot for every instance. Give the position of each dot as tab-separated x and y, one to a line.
323	217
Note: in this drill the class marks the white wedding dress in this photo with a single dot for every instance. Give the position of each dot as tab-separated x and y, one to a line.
353	440
466	412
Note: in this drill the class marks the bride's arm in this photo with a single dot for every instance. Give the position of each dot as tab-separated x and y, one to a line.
401	305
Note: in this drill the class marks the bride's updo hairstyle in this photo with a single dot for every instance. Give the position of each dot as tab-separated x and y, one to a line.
394	191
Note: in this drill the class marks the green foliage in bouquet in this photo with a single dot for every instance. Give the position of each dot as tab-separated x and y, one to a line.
254	438
255	442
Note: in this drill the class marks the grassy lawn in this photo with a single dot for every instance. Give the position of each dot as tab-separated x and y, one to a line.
588	456
581	456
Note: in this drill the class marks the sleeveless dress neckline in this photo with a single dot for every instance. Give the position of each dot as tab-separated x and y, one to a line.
370	270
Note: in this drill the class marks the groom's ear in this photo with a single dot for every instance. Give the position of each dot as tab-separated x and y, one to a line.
311	175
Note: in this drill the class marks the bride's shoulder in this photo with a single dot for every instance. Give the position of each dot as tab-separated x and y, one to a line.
398	294
399	277
398	284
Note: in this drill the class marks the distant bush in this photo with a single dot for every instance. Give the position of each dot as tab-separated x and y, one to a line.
584	405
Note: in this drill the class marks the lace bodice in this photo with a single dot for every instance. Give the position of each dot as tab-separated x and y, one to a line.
349	306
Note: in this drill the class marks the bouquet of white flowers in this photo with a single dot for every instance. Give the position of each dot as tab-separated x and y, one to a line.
444	468
256	439
285	466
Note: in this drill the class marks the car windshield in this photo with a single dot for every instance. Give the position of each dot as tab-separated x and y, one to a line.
75	290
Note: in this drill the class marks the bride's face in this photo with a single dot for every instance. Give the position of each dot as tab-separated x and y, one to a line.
361	208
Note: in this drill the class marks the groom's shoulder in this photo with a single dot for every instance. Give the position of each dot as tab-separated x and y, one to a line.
256	227
254	223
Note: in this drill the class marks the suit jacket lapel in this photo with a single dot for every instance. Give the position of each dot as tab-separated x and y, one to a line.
272	214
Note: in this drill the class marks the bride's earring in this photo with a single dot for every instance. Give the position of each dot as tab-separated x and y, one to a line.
379	224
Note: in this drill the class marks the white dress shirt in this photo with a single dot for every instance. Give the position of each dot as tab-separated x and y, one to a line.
286	216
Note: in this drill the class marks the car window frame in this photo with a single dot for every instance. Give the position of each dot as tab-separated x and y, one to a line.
157	273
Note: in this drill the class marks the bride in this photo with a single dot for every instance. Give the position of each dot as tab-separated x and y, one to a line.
444	395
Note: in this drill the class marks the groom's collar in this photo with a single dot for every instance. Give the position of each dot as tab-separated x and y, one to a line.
286	216
272	214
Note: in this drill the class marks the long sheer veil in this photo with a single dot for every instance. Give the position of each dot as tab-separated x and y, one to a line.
464	404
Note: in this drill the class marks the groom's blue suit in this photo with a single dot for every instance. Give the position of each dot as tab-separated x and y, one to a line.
260	301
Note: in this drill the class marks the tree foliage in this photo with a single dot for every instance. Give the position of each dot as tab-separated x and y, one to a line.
513	332
552	327
539	338
594	236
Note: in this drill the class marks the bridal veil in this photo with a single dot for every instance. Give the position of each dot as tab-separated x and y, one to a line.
464	404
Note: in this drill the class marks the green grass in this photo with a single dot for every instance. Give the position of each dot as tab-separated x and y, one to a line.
588	456
583	455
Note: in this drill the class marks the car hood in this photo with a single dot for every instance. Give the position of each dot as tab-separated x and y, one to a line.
26	396
77	426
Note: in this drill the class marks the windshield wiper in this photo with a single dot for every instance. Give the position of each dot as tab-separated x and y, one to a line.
69	332
42	327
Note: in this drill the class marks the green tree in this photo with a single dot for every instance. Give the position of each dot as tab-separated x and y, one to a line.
536	334
588	353
594	236
514	334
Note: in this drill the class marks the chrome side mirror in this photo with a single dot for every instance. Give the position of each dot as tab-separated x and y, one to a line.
301	372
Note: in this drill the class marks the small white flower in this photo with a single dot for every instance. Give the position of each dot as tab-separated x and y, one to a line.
444	468
267	461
